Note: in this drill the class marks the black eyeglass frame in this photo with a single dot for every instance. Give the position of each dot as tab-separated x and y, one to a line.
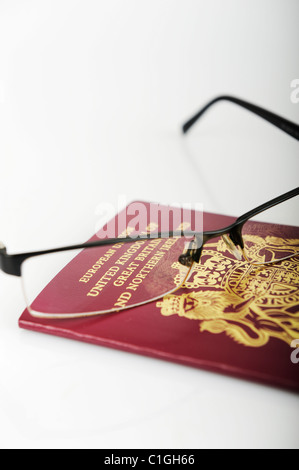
12	264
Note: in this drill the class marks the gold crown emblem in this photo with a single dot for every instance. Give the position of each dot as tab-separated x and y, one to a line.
248	304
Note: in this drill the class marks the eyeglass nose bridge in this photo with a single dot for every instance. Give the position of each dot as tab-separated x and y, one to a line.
193	252
234	241
232	247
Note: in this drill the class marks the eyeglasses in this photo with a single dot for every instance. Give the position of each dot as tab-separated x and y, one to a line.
113	274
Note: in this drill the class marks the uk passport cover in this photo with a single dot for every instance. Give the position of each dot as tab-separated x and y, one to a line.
230	317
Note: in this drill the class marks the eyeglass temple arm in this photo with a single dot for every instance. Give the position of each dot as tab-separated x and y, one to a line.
286	126
267	205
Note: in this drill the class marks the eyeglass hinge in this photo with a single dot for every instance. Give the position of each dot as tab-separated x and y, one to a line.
2	255
10	264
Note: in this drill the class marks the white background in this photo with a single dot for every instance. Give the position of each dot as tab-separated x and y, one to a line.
92	96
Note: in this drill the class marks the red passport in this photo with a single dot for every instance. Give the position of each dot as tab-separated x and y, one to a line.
229	317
